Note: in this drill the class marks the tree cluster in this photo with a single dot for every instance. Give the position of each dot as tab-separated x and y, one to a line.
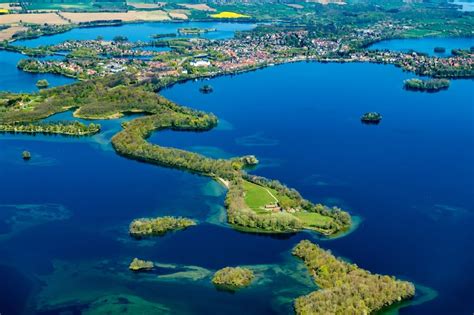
144	227
70	128
432	85
233	278
344	287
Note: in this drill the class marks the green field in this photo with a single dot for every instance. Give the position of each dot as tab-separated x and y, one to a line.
256	196
311	219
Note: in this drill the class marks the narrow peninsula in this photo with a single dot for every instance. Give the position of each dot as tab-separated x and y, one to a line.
254	204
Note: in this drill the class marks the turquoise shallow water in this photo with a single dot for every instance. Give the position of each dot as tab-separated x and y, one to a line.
64	214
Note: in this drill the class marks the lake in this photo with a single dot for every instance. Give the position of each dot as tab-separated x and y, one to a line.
138	31
64	214
14	80
425	45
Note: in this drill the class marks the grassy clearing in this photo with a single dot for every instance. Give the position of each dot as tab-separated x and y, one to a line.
311	219
256	196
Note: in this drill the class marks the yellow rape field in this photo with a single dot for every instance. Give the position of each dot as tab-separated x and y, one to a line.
229	15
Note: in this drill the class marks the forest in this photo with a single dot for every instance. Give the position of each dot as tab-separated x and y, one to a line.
70	128
140	228
345	288
432	85
233	278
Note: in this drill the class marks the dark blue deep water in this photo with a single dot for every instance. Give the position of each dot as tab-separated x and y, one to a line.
64	214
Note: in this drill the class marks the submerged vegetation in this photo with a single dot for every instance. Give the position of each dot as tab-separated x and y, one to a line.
141	265
431	85
140	228
233	278
206	89
344	287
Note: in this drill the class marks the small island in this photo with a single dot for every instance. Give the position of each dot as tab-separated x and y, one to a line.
141	265
194	30
42	84
371	118
163	35
344	287
233	278
249	160
432	85
439	50
26	155
206	89
145	227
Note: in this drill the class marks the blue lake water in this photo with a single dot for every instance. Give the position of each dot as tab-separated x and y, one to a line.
411	177
138	31
65	213
465	6
425	45
14	80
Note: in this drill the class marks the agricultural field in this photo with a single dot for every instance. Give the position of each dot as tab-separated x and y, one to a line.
155	15
72	5
198	7
34	18
229	15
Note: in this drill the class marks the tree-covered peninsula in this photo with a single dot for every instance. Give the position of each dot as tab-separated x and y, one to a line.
344	287
431	85
115	95
140	228
233	278
69	128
